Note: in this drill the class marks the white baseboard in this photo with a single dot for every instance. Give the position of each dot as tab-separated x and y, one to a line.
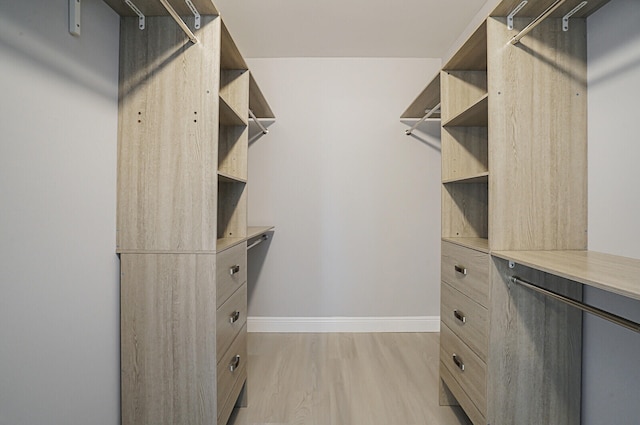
343	324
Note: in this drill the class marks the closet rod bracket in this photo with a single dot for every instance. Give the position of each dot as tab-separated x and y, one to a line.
74	17
429	112
195	12
141	18
513	13
544	15
565	18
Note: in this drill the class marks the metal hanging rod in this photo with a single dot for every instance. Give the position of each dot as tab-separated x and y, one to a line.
429	113
621	321
179	21
556	4
258	242
258	123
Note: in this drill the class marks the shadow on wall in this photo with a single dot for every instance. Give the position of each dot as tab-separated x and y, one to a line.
256	258
428	132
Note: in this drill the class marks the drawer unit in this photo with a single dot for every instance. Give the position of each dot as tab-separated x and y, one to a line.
230	318
466	318
232	366
468	370
467	270
231	271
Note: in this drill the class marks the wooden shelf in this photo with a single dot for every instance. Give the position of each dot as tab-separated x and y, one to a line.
230	57
473	53
257	102
608	272
255	231
479	244
155	8
226	243
476	115
427	100
228	178
229	116
535	8
478	178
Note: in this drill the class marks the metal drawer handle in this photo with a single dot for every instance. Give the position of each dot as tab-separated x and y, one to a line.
458	362
234	269
234	363
460	316
460	269
234	317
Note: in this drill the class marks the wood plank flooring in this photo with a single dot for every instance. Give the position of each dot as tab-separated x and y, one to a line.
344	379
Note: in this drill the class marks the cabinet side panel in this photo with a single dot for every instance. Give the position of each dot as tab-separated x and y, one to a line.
537	136
167	138
464	210
535	350
168	339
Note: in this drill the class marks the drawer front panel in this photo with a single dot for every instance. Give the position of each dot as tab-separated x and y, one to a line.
465	366
230	318
236	355
231	271
461	397
467	270
466	318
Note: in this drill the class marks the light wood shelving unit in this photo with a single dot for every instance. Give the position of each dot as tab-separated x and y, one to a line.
182	215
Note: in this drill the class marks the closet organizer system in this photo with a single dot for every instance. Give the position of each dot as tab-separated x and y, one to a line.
185	97
514	215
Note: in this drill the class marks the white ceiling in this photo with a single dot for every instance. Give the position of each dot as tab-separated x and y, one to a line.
346	28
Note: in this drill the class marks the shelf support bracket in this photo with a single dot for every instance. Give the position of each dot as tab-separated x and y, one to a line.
258	123
74	17
513	13
544	15
565	18
141	18
196	15
179	21
429	113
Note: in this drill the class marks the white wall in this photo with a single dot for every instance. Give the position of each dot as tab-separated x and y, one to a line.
611	389
355	202
59	339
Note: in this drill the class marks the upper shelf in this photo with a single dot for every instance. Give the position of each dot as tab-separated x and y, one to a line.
475	115
535	8
155	8
427	100
604	271
230	57
472	56
257	102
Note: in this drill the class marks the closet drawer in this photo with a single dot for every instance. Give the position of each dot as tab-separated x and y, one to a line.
466	318
466	367
467	270
236	357
230	318
231	271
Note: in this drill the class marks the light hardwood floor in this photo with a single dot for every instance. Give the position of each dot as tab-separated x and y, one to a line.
344	379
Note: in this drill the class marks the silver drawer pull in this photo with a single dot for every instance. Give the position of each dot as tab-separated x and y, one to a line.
234	317
234	363
458	362
234	269
460	316
460	269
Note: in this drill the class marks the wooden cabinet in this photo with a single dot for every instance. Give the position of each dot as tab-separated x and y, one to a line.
182	214
514	173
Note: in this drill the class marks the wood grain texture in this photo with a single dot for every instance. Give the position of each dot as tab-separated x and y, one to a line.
167	137
465	210
234	88
472	55
229	115
329	379
476	115
535	347
450	383
232	210
257	102
233	150
426	100
535	7
608	272
255	231
478	244
537	138
465	152
168	339
228	378
226	282
473	379
230	57
461	89
474	331
226	331
154	8
475	284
